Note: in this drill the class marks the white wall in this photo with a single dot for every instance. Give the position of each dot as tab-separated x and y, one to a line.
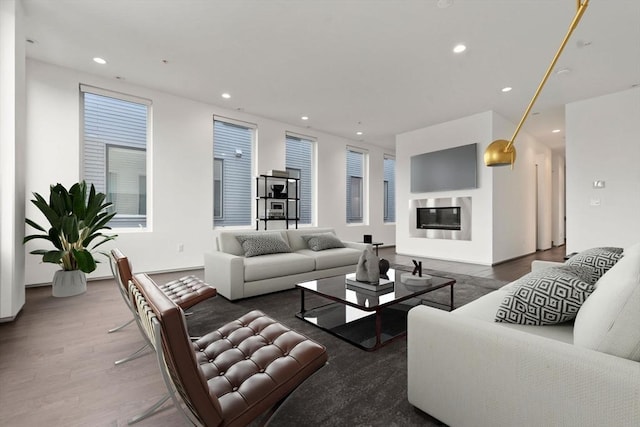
468	130
12	137
603	143
521	217
503	205
180	171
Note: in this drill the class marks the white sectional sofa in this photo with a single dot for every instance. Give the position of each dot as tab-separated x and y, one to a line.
237	276
465	369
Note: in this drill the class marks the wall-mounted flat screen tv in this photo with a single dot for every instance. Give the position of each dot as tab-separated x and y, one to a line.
444	170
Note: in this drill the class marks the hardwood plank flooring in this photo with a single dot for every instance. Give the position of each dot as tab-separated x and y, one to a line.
56	358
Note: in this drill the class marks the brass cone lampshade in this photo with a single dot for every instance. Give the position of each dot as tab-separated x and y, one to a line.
502	152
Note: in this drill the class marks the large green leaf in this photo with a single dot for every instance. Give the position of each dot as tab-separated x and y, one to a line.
36	236
105	240
53	256
52	216
54	236
34	225
78	195
85	260
70	228
94	207
64	195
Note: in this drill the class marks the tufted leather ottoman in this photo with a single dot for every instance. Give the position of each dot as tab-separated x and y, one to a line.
188	291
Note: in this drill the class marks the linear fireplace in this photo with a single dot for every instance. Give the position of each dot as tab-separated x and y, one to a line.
439	218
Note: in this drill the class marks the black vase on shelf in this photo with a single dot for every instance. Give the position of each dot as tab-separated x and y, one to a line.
384	265
278	191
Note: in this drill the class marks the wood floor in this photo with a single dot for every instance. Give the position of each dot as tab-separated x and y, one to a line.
56	358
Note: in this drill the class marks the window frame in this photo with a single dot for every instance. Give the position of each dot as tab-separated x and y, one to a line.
362	219
306	187
120	220
389	211
252	171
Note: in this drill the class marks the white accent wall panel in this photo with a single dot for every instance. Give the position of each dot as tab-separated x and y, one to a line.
603	143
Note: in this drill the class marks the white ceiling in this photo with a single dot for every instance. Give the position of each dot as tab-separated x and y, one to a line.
382	67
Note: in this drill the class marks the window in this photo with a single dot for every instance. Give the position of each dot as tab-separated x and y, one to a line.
114	152
389	165
232	172
299	160
218	172
355	186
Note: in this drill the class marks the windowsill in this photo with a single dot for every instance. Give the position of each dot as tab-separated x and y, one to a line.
131	230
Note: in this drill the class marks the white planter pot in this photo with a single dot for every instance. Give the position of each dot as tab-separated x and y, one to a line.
69	283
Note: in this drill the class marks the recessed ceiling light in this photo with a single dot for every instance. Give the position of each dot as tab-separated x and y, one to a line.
459	48
304	118
556	131
226	95
507	89
359	132
99	60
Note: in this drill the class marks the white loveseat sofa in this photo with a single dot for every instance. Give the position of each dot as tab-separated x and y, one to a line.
236	276
467	370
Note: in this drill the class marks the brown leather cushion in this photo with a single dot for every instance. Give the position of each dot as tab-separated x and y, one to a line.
187	291
253	362
236	373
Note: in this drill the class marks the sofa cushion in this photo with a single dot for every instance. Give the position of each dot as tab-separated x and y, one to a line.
609	321
322	241
332	258
546	297
276	265
228	243
294	236
598	259
485	307
262	244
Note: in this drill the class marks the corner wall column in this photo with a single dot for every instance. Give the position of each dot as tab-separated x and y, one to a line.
12	164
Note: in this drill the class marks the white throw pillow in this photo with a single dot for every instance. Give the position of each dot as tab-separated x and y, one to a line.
609	320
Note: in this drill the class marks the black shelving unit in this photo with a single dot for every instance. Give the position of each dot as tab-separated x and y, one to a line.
278	201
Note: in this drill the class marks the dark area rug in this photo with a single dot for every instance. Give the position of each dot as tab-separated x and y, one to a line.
356	387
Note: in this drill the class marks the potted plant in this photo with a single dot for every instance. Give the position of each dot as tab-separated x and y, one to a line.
75	220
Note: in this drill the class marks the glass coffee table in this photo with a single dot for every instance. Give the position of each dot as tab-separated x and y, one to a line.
366	319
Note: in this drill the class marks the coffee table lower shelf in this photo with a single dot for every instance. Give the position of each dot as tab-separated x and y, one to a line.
369	330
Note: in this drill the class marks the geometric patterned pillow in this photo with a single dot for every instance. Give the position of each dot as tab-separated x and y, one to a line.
546	297
600	260
264	244
612	249
322	241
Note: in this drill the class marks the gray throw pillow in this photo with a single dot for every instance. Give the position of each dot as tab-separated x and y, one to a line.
600	260
322	241
546	297
262	244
